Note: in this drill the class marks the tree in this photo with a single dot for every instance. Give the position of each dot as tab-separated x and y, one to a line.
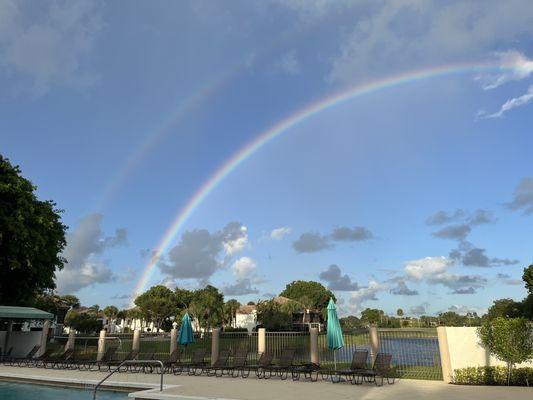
83	322
508	340
399	313
528	278
111	312
70	300
313	293
350	323
272	316
372	316
157	304
230	310
32	238
184	297
451	318
208	307
507	308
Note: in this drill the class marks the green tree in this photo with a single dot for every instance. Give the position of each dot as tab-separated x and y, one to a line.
372	316
157	304
528	278
208	307
230	310
32	238
311	293
83	322
451	318
350	323
507	308
184	297
110	312
70	300
273	317
509	340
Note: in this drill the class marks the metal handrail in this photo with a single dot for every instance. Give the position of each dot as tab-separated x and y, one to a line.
131	362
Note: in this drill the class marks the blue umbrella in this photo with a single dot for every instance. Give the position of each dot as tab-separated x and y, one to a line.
334	338
186	334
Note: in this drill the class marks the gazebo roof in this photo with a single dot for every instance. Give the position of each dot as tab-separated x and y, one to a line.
23	313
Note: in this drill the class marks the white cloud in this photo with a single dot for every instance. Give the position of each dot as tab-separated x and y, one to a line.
510	104
235	238
84	244
365	294
280	233
426	267
49	47
244	267
515	66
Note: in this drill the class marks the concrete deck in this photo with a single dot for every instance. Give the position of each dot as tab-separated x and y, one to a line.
186	387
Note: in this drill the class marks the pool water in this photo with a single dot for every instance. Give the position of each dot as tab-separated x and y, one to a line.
27	391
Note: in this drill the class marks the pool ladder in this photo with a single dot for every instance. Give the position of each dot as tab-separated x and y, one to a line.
132	362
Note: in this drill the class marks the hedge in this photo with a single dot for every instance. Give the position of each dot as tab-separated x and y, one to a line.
492	376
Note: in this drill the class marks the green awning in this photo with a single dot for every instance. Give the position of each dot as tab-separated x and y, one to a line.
23	313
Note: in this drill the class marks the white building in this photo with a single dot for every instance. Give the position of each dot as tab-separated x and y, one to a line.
246	317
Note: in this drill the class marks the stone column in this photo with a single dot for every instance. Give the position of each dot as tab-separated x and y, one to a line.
215	343
101	344
136	344
44	337
444	351
261	340
173	340
313	346
71	340
374	341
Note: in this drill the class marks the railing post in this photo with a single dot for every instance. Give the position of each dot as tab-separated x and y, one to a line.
444	351
71	340
136	343
261	340
374	341
173	340
101	344
215	341
313	346
44	336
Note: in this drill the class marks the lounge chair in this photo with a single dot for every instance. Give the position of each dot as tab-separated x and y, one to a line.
381	368
359	363
307	370
264	361
217	369
5	356
29	356
172	360
282	368
143	367
36	361
238	363
197	362
83	363
132	355
57	361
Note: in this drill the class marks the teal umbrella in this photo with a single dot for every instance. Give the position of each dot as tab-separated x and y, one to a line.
334	338
186	334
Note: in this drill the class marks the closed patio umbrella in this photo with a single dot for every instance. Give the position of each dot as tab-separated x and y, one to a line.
186	334
334	338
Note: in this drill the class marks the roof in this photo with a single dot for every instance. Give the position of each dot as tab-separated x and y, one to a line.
247	309
25	313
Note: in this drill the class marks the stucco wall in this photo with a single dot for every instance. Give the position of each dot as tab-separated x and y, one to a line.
23	342
459	348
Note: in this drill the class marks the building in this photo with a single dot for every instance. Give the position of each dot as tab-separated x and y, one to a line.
246	317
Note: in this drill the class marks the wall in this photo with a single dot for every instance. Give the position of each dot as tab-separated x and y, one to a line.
23	342
459	348
2	339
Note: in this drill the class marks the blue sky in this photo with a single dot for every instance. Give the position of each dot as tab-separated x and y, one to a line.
419	195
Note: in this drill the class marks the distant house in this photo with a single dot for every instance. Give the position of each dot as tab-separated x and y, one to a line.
246	317
304	319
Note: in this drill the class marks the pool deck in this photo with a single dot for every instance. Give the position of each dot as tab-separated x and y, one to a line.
202	387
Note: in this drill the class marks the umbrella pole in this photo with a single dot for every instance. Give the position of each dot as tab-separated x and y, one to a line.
335	359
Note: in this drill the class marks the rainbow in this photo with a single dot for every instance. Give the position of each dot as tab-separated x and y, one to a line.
283	126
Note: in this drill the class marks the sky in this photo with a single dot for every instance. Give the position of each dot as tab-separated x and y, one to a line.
140	118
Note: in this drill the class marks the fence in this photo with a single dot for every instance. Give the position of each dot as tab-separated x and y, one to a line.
415	352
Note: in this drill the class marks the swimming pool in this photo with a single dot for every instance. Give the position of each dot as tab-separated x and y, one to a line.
29	391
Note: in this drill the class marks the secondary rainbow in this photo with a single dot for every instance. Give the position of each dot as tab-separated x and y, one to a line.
283	126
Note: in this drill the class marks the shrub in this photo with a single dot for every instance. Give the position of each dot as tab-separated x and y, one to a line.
492	376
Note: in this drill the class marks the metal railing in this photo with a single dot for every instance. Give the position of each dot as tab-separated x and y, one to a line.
130	362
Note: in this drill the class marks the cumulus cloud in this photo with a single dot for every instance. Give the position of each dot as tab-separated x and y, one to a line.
200	254
84	244
241	287
401	289
453	232
523	197
336	280
311	243
280	233
510	104
52	46
471	256
365	294
514	65
243	267
443	217
418	310
355	234
121	297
